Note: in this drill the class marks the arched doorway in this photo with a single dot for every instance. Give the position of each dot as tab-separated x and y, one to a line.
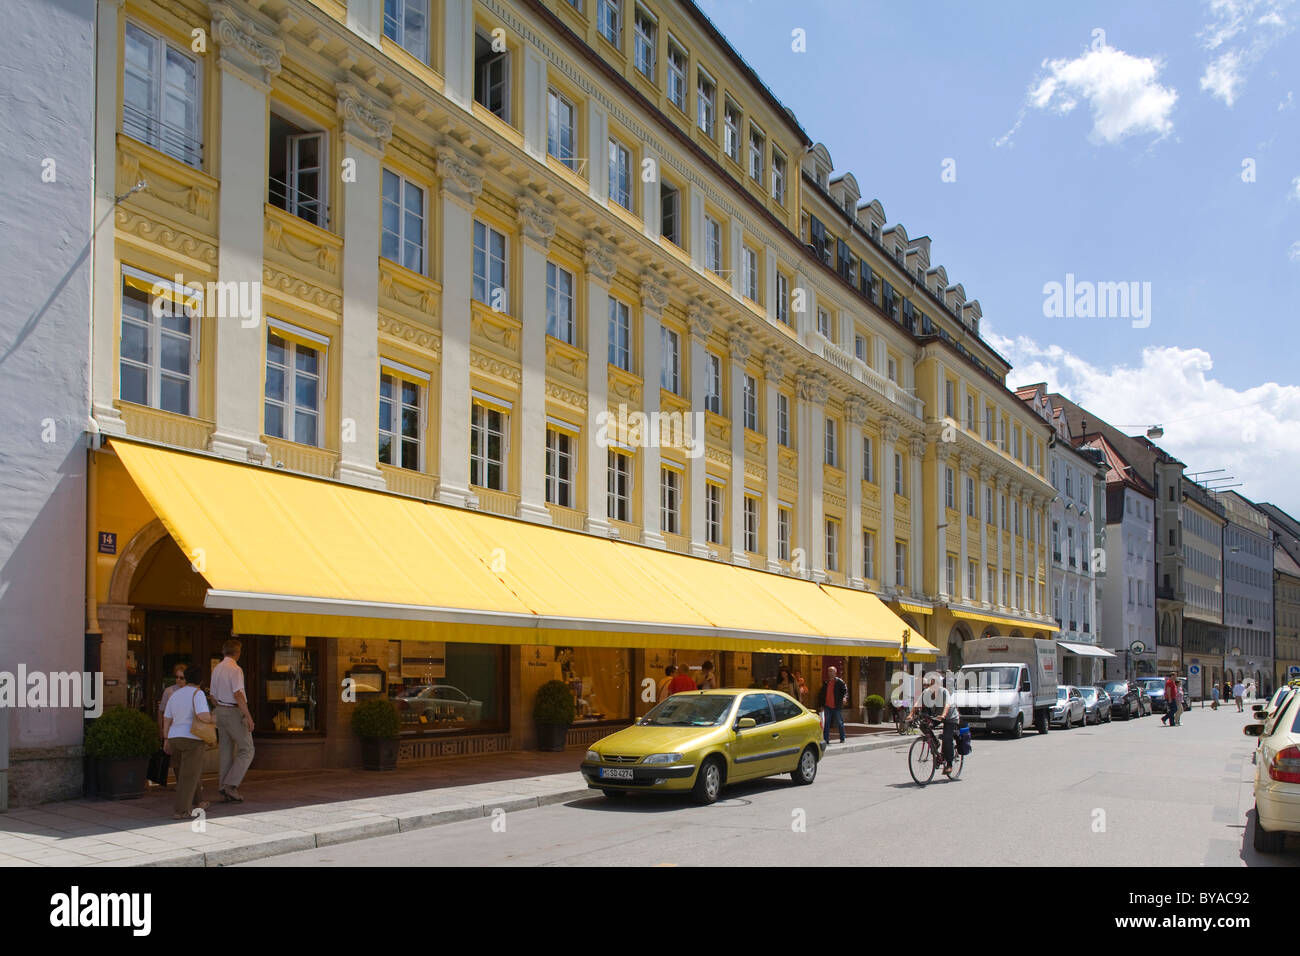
958	636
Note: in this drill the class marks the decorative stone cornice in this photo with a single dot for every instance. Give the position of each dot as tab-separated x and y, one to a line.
1002	483
943	450
773	366
461	177
855	410
739	344
917	447
654	292
700	322
245	47
536	220
598	257
812	387
889	430
363	119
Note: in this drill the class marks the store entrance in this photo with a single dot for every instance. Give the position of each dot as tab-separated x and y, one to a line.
172	638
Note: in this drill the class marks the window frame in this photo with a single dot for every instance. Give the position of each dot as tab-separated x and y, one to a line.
619	480
404	242
296	339
151	125
153	365
620	334
706	105
556	482
554	295
677	78
401	25
489	232
670	493
400	376
556	102
486	408
620	188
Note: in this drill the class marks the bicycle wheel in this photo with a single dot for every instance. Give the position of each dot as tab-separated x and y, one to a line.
921	761
956	766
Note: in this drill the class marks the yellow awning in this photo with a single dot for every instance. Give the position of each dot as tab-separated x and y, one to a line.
290	554
1002	621
913	608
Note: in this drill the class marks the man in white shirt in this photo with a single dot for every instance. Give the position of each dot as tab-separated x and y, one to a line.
938	701
234	722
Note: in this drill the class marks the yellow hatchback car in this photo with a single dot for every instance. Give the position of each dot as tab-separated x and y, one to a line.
701	741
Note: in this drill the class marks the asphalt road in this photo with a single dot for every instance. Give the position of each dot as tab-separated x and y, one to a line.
1132	794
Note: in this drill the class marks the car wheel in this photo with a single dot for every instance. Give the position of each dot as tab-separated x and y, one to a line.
1265	841
1043	723
806	772
615	794
1018	730
1069	723
708	782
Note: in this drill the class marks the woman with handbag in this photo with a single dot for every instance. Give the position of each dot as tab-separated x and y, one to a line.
188	730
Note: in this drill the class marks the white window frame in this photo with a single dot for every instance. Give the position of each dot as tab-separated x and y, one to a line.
481	408
832	456
670	500
868	460
484	239
405	243
706	101
757	153
751	522
645	45
869	555
401	375
713	383
618	484
783	420
557	485
749	273
557	105
832	544
714	510
779	167
677	74
395	27
620	334
713	245
620	174
670	360
149	127
731	130
900	484
784	526
782	298
750	388
609	21
191	304
900	564
297	339
484	79
559	302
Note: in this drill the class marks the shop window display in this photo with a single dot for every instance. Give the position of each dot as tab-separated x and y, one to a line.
446	688
600	679
287	702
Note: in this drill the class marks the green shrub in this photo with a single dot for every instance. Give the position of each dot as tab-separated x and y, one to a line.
554	704
121	733
376	720
875	701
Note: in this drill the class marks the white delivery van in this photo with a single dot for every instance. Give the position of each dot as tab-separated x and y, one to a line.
1007	684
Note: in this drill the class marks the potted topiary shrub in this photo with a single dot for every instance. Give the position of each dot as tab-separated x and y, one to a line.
120	743
377	724
875	707
553	712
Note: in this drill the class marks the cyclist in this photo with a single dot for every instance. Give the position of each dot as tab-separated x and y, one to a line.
936	699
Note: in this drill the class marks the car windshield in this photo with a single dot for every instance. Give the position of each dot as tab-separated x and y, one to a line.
989	678
1088	692
1153	685
707	710
1062	693
1116	687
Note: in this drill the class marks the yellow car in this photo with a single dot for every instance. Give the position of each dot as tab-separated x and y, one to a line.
701	741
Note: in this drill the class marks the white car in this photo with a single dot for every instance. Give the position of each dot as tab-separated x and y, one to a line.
1277	775
1070	708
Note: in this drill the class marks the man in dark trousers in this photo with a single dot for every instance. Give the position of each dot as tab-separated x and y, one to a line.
831	702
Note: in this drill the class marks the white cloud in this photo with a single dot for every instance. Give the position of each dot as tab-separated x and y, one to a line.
1294	252
1254	433
1295	188
1121	90
1287	103
1244	30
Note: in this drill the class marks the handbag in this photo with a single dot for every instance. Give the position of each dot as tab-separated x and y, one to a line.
159	764
204	731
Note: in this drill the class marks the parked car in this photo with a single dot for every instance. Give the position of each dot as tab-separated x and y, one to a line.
1155	690
1123	698
698	742
1145	707
1096	705
1277	775
1069	709
430	703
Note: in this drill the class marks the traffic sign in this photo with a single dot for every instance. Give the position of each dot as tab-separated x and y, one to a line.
1293	672
1194	670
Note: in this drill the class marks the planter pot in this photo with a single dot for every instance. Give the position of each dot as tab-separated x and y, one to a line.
120	778
873	714
550	737
379	753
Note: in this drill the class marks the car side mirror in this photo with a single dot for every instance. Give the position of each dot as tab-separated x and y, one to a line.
1258	710
1253	730
745	723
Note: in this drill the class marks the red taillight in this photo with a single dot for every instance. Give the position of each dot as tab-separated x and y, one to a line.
1285	767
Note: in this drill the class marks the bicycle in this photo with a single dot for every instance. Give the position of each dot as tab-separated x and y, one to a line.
901	725
925	756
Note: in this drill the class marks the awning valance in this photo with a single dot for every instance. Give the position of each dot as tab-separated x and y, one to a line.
1084	650
999	620
289	554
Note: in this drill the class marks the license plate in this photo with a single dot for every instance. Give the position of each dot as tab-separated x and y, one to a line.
616	773
975	723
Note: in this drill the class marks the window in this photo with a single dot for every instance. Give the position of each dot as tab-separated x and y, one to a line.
832	451
1056	483
619	486
900	564
782	420
491	77
778	176
670	501
489	285
891	370
713	512
970	413
645	34
868	460
705	106
990	594
824	323
620	334
731	131
670	213
869	555
609	20
988	504
487	446
620	174
158	348
559	303
860	348
713	383
749	273
402	237
950	398
676	75
970	497
1069	546
1015	444
407	23
782	299
949	491
988	423
560	129
670	359
1056	540
1006	587
400	424
559	467
1015	514
950	575
832	545
784	519
751	524
972	579
160	96
295	171
898	474
751	403
712	246
757	153
1069	482
295	374
1002	507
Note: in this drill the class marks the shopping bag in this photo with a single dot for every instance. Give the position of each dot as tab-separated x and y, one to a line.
159	763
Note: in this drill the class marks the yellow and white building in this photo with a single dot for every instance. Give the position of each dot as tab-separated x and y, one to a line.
375	347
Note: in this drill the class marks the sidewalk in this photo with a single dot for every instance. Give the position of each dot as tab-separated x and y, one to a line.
288	811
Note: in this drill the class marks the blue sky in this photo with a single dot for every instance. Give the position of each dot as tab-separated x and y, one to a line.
1115	157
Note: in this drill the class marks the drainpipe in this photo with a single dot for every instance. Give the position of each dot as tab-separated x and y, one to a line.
92	536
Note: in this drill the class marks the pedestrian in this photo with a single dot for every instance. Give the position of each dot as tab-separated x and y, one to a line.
1176	702
668	679
1239	692
234	722
786	683
832	701
707	679
1171	700
680	683
803	688
1214	694
178	675
185	706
